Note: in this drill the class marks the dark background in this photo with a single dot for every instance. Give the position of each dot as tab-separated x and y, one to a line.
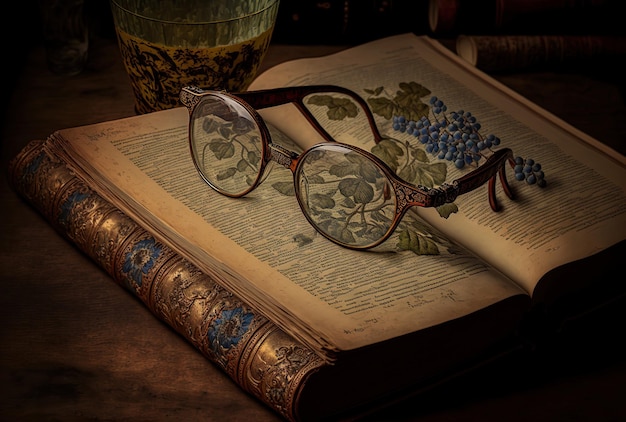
349	22
580	375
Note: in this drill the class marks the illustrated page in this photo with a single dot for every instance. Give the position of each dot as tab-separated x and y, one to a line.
580	211
263	249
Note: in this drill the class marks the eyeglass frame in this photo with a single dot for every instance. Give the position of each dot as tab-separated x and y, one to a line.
407	194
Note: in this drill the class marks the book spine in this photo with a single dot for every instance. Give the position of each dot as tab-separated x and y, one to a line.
514	52
550	17
508	11
346	21
260	357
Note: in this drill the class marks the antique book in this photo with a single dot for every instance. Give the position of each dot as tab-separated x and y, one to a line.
316	330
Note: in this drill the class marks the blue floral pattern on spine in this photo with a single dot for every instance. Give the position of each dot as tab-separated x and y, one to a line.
139	261
228	329
33	166
69	204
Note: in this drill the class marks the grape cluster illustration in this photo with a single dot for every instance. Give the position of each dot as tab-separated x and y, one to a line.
528	170
455	136
433	138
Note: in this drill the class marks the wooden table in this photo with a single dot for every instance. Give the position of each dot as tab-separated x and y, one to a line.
75	346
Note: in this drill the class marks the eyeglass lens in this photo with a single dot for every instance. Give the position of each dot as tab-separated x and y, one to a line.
226	145
345	195
342	193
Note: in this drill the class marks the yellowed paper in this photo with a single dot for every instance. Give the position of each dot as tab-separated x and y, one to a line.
332	298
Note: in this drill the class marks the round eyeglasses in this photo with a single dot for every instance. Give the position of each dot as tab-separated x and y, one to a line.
347	194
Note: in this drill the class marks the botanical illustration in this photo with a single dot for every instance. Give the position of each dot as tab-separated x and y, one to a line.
436	137
343	193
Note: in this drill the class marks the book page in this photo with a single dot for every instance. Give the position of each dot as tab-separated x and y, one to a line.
262	248
581	211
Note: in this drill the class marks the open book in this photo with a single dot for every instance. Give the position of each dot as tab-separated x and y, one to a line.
360	325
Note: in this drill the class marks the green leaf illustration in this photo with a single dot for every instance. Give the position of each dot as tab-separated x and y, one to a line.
388	151
222	148
242	125
225	131
429	175
254	157
446	210
358	189
210	125
338	108
384	107
242	165
420	155
374	92
411	90
409	240
226	174
345	235
407	102
322	201
302	240
286	188
344	169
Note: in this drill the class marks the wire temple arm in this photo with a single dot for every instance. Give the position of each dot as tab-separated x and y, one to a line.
495	165
296	94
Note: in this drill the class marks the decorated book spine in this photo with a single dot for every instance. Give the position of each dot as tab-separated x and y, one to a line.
523	17
494	53
260	357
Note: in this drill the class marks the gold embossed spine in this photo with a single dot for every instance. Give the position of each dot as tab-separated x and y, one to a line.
255	353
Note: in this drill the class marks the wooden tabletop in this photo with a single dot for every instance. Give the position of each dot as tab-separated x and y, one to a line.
76	346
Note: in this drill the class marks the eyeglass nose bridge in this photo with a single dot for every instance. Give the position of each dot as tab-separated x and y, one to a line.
283	156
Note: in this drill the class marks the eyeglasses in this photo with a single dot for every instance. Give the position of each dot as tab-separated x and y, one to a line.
347	194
